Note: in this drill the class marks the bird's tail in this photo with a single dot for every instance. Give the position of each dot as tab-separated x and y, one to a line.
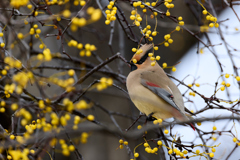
182	117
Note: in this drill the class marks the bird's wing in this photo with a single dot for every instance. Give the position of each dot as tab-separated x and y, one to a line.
158	86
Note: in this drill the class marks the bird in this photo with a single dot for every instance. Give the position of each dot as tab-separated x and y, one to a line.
151	90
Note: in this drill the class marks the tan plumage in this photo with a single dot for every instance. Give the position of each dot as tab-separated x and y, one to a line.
145	99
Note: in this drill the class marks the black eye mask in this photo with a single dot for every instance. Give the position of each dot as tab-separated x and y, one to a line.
143	59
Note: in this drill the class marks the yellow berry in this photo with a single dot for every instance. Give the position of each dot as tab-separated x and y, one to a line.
214	128
211	155
113	18
145	144
213	150
211	25
1	34
214	138
211	18
107	11
199	123
35	13
90	117
134	61
153	4
170	40
2	45
159	143
159	120
82	3
208	17
109	6
197	151
150	54
133	12
155	149
71	72
227	75
180	18
185	152
164	65
174	69
20	35
178	28
125	142
2	103
135	4
181	154
152	58
166	44
35	26
139	127
167	36
181	23
66	13
234	139
223	83
137	23
216	25
38	31
170	151
134	49
158	58
155	122
228	85
153	63
12	136
168	13
222	88
136	155
148	32
197	84
154	33
204	11
121	146
65	152
107	22
58	18
166	131
71	148
111	3
139	19
237	78
147	3
4	72
121	141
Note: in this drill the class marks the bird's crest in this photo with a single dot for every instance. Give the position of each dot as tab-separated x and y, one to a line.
142	53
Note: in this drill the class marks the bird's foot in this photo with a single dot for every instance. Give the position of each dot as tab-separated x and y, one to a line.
150	117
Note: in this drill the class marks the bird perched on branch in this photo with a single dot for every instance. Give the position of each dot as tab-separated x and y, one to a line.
150	89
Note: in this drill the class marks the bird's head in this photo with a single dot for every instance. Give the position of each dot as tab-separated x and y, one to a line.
140	56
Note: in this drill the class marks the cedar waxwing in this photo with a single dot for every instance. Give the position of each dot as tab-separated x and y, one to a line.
150	89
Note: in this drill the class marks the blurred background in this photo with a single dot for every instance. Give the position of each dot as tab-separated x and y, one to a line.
194	63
